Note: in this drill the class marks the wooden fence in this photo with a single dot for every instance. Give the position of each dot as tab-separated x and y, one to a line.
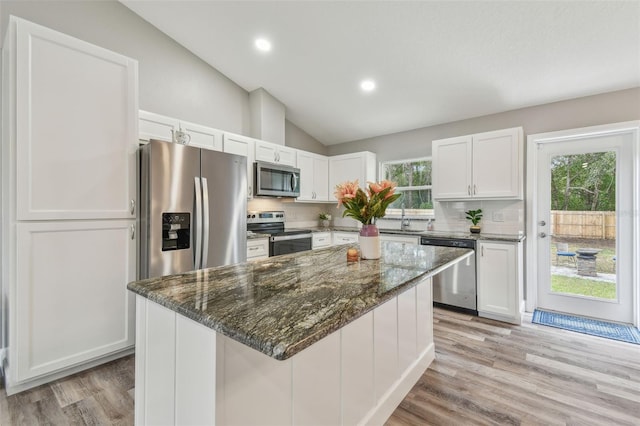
585	224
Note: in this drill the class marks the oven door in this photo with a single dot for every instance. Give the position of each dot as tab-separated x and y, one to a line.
289	244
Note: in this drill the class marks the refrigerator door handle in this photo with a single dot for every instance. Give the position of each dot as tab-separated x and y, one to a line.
198	233
205	218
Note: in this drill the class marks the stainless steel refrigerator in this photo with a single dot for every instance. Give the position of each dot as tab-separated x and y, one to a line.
193	209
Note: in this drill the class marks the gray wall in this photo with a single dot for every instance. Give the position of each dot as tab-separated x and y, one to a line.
298	138
606	108
172	81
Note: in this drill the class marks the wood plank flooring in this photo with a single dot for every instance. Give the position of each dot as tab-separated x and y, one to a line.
485	373
491	373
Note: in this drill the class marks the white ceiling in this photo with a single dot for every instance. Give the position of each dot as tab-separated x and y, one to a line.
433	61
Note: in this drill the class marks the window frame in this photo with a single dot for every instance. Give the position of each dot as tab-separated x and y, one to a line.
411	213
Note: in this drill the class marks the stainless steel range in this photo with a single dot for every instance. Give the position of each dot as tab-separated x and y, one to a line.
281	241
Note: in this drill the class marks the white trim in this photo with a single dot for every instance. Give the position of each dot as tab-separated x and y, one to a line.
632	127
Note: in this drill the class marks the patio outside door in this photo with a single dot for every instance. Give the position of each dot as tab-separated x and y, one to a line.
584	198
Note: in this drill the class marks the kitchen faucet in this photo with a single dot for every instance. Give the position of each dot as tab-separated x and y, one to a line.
405	222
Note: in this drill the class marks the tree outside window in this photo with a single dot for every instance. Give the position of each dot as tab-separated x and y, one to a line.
414	182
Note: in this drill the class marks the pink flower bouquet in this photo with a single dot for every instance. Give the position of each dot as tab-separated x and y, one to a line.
367	206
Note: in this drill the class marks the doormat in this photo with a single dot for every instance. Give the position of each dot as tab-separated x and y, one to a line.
608	330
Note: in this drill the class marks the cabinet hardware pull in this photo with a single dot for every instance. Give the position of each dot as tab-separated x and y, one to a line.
468	189
542	235
474	189
482	251
133	232
132	206
542	223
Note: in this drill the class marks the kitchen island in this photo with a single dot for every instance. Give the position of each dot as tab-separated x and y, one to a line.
306	338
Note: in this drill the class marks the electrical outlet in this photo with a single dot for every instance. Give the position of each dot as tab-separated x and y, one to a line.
497	217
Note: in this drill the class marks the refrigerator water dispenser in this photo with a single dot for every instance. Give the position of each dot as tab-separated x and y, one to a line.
176	231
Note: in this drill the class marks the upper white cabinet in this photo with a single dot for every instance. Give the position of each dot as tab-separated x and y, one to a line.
500	281
242	145
314	176
273	153
481	166
156	126
160	127
202	136
349	167
73	126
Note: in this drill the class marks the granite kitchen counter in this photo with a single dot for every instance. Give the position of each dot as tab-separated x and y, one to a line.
284	304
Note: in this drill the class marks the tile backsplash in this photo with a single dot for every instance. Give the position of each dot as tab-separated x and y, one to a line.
499	217
297	215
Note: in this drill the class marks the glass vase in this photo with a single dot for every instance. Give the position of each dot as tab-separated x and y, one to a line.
369	240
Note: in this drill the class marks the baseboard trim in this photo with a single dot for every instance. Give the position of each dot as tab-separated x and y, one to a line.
13	388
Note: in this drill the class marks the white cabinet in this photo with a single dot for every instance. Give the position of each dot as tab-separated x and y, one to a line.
202	136
160	127
400	238
257	248
71	302
273	153
73	127
345	238
156	126
320	240
242	145
500	281
314	176
349	167
69	142
481	166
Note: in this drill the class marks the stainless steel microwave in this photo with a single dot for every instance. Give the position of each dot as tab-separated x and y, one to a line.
275	180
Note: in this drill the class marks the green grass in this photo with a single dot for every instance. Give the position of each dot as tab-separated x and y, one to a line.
583	286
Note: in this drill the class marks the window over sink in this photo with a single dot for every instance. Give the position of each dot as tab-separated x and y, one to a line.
413	177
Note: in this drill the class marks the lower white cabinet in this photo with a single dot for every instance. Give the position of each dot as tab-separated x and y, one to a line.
340	237
189	374
500	281
321	240
400	238
71	301
257	248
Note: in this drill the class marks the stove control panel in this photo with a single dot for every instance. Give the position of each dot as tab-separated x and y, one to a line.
265	217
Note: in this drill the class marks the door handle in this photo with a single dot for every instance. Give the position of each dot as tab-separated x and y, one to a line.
198	251
205	220
542	235
132	207
132	230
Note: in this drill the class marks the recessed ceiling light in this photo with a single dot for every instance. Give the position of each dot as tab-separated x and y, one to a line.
263	44
368	85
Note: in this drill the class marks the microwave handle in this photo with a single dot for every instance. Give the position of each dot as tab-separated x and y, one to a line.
294	181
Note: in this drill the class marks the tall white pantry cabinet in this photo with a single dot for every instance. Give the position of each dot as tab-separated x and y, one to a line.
69	141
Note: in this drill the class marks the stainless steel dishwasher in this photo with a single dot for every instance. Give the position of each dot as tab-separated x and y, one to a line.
455	287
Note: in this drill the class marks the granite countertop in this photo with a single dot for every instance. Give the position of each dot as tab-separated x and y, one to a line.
284	304
419	233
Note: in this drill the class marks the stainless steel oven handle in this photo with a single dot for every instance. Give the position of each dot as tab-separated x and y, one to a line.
290	237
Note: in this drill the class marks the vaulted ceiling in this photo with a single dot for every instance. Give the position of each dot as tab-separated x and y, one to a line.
432	61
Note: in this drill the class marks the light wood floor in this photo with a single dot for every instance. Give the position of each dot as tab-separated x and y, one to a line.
485	372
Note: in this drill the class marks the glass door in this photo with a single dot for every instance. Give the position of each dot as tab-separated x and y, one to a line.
584	241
